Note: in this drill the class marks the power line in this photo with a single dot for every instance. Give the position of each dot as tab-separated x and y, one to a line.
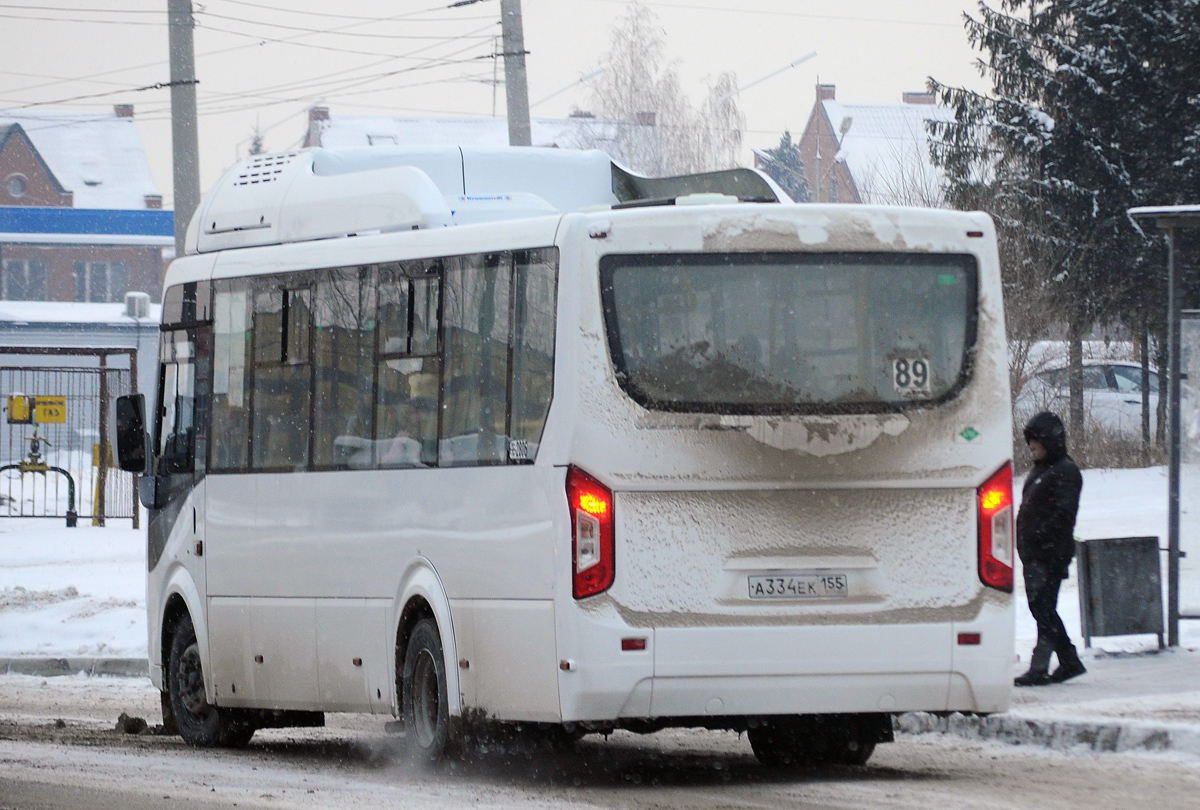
428	63
314	30
155	86
413	54
164	114
338	88
773	13
76	20
353	16
84	10
358	81
264	40
246	46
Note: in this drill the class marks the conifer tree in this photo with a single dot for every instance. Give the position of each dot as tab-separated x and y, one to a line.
1092	109
784	165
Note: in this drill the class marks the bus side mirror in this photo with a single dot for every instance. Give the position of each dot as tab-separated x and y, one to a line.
132	440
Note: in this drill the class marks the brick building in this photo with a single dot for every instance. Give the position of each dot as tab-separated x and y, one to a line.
80	216
872	153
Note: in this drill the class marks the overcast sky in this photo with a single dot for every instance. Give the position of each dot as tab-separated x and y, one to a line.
267	61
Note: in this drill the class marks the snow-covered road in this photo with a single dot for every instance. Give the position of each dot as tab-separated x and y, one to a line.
84	763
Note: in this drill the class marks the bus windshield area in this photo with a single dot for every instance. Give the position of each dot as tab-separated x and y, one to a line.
780	333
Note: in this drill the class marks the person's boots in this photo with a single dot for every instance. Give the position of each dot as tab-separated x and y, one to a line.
1039	665
1033	677
1069	666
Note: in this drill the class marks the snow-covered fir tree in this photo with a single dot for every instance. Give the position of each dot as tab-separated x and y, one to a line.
783	165
1092	109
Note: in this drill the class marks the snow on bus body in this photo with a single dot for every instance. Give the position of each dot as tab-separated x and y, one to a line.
703	501
302	573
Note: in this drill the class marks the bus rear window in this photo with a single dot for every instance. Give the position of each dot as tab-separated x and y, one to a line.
789	333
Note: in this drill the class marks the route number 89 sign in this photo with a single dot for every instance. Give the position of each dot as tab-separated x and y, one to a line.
910	376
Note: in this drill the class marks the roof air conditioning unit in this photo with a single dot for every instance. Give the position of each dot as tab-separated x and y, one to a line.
137	305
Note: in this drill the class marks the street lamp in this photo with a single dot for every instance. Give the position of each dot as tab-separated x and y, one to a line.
712	110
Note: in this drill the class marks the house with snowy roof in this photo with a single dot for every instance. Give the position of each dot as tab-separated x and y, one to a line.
872	153
634	144
80	217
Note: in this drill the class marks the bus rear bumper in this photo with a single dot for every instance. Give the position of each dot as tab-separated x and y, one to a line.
812	669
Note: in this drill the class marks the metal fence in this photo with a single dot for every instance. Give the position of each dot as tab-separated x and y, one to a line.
74	451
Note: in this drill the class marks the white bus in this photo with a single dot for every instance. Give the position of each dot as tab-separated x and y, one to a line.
514	436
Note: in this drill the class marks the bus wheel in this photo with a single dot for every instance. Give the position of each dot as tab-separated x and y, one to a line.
792	742
855	751
199	722
428	732
778	744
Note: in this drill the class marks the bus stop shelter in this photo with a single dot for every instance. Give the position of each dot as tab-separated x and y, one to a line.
1183	420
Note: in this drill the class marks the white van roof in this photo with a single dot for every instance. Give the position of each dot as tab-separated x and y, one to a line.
323	193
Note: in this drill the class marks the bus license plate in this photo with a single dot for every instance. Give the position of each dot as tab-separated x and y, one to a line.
799	586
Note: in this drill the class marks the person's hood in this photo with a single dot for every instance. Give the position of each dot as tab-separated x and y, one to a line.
1048	429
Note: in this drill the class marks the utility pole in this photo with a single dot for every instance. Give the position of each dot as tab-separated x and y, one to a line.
185	142
516	91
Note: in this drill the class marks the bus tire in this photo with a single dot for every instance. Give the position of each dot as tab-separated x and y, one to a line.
795	742
429	733
200	723
855	751
778	744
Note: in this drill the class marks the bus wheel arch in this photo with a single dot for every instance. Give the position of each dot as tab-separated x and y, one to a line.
422	602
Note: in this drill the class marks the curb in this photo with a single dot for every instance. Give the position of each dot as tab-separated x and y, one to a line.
1059	734
47	667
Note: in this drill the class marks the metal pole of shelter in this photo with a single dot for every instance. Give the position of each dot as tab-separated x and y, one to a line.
1171	219
1173	422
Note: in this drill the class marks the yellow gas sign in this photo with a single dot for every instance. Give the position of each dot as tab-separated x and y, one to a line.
50	409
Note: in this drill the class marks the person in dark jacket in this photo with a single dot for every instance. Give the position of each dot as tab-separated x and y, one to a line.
1046	544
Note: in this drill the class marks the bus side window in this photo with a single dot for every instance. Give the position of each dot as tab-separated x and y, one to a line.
475	377
176	429
535	301
409	367
343	356
230	384
282	377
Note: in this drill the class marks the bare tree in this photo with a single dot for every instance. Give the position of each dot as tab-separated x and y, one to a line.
726	122
640	87
904	176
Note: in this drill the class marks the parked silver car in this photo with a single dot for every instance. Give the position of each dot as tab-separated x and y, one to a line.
1112	395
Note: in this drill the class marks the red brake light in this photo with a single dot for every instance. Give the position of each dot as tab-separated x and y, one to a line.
592	549
995	503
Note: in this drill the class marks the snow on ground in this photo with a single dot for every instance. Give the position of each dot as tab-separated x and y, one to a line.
76	592
72	592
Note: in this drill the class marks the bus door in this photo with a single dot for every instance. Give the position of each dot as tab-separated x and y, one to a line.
180	449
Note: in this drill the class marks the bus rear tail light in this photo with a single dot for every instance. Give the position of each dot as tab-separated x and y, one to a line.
996	530
592	547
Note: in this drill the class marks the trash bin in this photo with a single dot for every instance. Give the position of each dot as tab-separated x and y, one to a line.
1120	587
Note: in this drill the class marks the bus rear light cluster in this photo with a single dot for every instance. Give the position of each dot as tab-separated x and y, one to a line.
996	530
592	547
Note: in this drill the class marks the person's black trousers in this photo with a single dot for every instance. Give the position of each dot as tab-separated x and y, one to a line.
1042	581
